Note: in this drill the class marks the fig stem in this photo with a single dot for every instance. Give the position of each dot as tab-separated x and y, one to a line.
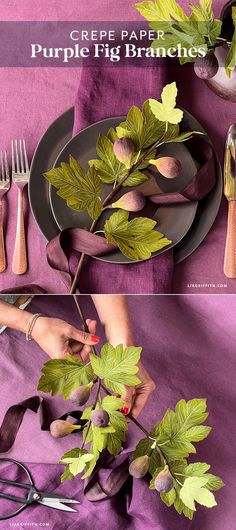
93	408
107	200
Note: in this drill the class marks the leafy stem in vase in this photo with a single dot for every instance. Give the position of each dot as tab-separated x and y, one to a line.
200	30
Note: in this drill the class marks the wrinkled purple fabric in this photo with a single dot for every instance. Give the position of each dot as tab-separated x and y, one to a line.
197	360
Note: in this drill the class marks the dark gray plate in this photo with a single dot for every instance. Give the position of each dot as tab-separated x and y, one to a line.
173	221
47	151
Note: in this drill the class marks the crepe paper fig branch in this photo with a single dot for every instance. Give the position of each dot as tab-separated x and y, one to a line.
200	30
124	154
163	452
129	415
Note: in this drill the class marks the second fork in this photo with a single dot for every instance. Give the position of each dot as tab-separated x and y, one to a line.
20	176
4	187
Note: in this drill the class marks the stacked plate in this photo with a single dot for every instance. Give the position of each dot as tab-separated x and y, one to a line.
186	225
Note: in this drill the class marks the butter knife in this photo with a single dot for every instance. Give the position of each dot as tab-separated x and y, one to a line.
230	194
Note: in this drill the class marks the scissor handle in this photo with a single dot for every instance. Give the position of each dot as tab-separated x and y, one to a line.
24	502
16	484
9	497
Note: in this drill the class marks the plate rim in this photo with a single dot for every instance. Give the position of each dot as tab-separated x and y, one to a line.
180	254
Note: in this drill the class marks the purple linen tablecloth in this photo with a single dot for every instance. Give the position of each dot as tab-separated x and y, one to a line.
197	360
30	100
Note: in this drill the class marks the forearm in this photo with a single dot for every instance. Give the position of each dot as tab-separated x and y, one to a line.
13	317
113	312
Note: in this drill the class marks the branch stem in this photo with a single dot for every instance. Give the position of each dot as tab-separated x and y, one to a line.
107	201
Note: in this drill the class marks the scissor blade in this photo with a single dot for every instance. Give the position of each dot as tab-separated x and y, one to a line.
61	499
57	505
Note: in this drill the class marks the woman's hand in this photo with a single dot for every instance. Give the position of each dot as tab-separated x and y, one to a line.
135	398
58	338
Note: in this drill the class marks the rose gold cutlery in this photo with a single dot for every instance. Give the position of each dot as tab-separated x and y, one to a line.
4	187
20	177
230	194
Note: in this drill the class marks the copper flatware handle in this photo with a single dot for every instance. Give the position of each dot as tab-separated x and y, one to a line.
230	249
2	244
19	264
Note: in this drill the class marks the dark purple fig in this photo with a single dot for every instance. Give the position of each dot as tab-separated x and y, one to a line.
168	166
139	467
80	395
99	418
164	481
61	428
206	67
133	201
124	150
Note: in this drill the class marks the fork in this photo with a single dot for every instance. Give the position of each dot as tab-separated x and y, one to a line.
20	177
4	187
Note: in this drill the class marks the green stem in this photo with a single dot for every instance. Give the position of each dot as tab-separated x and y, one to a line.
93	408
107	200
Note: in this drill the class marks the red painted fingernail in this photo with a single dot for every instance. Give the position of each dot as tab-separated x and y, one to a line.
125	410
95	338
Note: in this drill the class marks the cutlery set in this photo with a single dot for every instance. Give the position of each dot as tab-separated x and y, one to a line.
20	177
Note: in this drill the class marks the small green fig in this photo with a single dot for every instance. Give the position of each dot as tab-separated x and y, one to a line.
124	150
133	201
99	418
139	467
168	166
80	395
164	481
61	428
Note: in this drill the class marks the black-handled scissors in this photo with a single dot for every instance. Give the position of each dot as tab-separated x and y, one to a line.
42	497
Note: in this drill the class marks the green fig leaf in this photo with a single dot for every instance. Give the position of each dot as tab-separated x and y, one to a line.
66	475
179	429
165	111
199	469
136	178
137	238
194	490
117	366
62	376
81	191
200	29
77	460
169	497
230	63
159	11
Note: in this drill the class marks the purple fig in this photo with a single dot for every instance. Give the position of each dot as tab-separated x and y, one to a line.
80	395
139	467
61	428
164	481
206	67
99	418
168	166
133	201
124	150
